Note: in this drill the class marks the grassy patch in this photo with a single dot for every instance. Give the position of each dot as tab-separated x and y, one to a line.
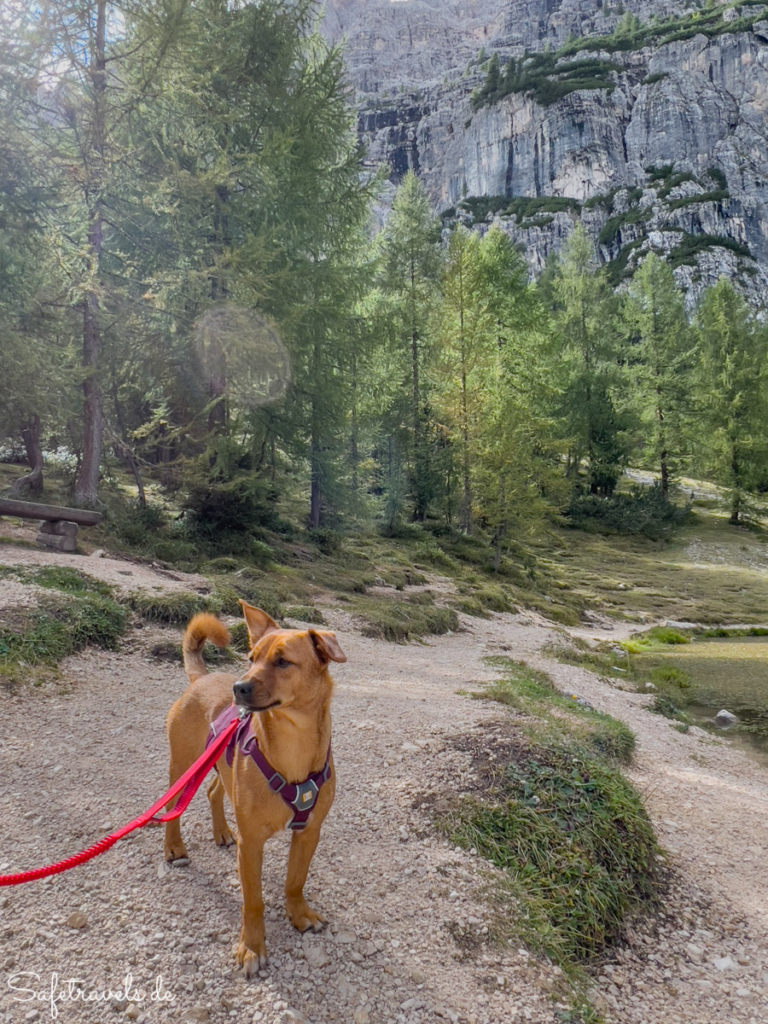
706	572
34	638
554	812
175	608
400	622
305	613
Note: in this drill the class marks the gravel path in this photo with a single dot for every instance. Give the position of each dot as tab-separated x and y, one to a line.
407	941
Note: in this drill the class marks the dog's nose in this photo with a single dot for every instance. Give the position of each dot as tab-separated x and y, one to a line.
242	691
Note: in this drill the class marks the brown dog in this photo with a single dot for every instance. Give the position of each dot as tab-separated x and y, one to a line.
287	690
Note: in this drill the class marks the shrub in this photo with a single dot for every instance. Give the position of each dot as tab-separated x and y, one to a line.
305	613
644	511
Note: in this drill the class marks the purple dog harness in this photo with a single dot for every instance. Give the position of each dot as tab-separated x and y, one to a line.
300	796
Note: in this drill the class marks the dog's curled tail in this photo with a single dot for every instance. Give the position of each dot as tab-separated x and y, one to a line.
201	628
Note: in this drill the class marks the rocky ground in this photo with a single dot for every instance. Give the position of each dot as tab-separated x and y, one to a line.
408	939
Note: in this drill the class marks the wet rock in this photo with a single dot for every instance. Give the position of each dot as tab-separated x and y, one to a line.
724	719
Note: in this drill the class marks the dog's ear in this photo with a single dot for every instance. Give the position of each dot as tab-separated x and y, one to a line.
326	646
257	622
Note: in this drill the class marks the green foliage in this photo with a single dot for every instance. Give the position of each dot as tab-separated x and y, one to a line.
684	254
644	511
733	348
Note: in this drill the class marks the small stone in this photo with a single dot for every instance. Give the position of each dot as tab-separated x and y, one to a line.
133	1012
345	937
694	952
32	1015
724	963
316	956
743	993
77	920
419	977
198	1013
361	1016
410	748
724	718
98	553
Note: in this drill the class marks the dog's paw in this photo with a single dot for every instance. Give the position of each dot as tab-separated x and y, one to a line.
177	855
251	960
304	919
224	838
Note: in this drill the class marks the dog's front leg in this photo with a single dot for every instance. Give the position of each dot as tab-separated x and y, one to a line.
252	948
303	846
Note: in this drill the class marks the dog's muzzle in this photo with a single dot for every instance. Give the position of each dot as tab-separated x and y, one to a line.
243	694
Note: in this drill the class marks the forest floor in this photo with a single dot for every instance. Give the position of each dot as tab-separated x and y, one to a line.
411	916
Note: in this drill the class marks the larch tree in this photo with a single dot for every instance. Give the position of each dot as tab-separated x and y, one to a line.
660	364
733	351
411	262
587	364
74	58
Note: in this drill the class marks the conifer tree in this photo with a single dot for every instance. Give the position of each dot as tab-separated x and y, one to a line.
660	364
587	364
733	347
410	265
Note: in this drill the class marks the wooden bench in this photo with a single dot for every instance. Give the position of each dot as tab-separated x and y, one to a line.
58	526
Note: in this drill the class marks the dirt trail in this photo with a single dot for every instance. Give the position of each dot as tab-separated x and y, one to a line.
75	765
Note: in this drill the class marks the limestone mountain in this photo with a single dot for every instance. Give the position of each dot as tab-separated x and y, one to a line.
644	119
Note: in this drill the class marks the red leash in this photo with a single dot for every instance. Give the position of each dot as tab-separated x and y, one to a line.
187	785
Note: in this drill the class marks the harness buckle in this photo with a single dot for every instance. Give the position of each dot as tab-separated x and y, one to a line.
306	794
281	784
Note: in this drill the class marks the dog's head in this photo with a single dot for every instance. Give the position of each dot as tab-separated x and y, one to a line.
288	666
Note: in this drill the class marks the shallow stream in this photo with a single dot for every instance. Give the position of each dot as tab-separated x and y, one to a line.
726	672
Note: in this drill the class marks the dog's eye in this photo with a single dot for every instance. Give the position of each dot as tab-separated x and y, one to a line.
282	663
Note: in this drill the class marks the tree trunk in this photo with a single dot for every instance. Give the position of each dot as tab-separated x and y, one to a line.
126	449
466	501
315	490
87	482
32	482
736	489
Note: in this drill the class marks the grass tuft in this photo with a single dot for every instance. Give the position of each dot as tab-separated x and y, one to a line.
401	622
175	608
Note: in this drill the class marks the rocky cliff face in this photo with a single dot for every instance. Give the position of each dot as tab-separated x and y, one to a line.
671	154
